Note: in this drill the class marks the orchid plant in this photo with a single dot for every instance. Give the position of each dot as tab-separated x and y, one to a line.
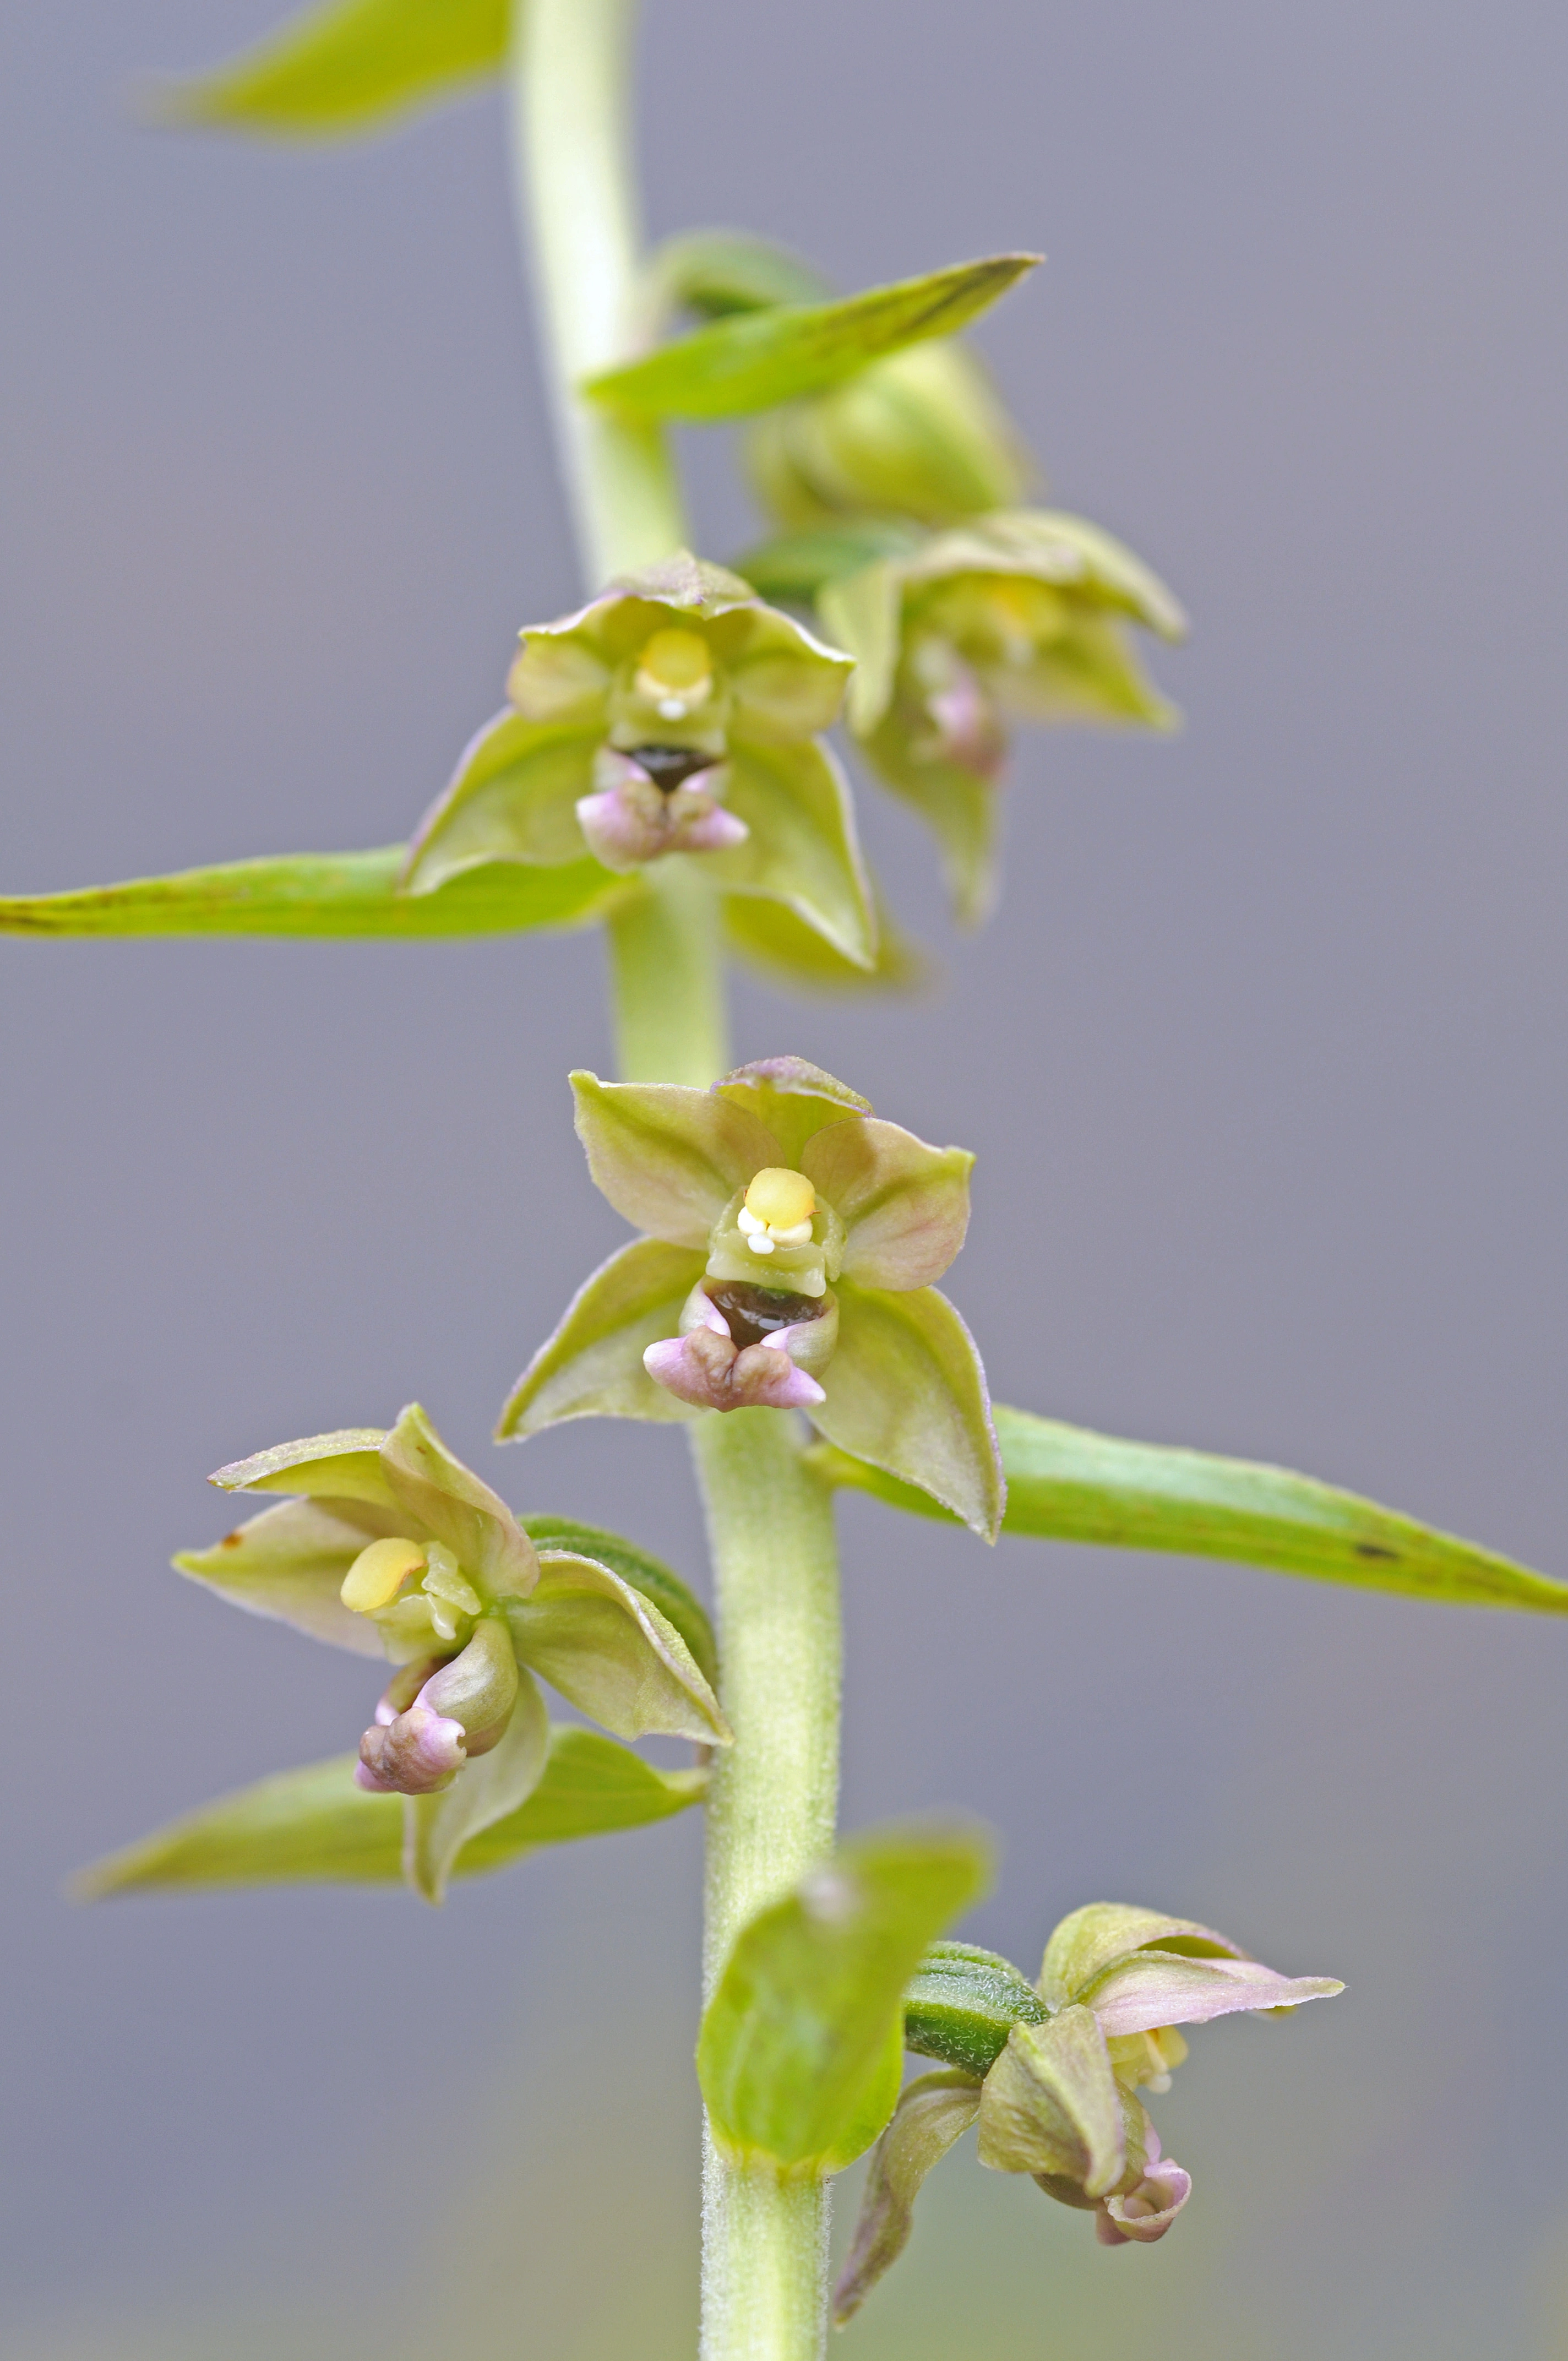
662	769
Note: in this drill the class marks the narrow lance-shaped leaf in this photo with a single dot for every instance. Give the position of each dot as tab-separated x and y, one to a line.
756	359
797	2038
315	1825
329	894
1066	1483
347	66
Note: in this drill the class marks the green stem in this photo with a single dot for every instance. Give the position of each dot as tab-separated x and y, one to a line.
667	980
570	90
770	1815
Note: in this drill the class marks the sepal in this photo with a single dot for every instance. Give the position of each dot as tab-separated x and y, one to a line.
906	1390
933	2112
1050	2104
611	1654
591	1367
289	1565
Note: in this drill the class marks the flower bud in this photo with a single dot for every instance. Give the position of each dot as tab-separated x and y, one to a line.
921	434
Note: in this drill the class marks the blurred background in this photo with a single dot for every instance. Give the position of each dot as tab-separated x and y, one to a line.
1263	1059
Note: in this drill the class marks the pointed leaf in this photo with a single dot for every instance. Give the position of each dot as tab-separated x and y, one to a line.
451	1502
611	1654
803	849
326	894
316	1826
347	66
1066	1483
903	1203
512	798
1050	2104
592	1365
905	1391
288	1563
796	2035
780	947
756	359
933	2113
1088	1941
668	1158
437	1827
962	2004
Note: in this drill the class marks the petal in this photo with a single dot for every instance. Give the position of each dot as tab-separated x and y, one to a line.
904	1204
344	1465
934	2112
611	1654
562	673
511	797
437	1827
1049	539
452	1503
1050	2104
669	1159
792	1098
1090	674
1088	1941
1145	2213
803	849
906	1390
787	682
592	1365
1149	1989
288	1563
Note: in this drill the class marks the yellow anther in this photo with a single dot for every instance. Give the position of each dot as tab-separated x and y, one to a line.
378	1574
676	663
781	1198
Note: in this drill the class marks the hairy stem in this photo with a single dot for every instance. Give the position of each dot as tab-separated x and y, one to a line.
570	79
770	1816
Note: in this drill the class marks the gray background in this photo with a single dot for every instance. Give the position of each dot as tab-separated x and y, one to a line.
1263	1060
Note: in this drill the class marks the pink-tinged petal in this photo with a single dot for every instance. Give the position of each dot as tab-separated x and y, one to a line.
417	1754
1149	1989
1092	1938
669	1159
904	1204
631	818
1143	2214
705	826
965	725
704	1368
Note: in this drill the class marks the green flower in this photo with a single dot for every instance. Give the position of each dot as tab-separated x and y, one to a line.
394	1549
1019	616
676	714
790	1240
1052	2070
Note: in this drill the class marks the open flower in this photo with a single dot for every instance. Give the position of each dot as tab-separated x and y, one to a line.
790	1242
393	1548
675	714
1052	2070
1017	616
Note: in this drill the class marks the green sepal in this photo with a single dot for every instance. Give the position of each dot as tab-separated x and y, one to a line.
905	1391
962	2004
1066	1483
756	359
437	1827
795	567
336	895
607	1649
648	1575
592	1365
343	1466
345	67
933	2112
316	1826
803	849
780	947
512	799
719	271
796	2040
963	813
1050	2104
288	1563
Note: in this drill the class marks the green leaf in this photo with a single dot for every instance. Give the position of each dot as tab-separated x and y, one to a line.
905	1391
963	2003
796	2040
334	894
648	1575
316	1826
610	1652
592	1365
437	1827
347	66
780	947
759	358
1065	1483
933	2112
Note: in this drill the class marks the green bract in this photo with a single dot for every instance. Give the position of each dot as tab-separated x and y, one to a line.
347	66
1052	2071
790	1242
1018	616
393	1548
676	714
